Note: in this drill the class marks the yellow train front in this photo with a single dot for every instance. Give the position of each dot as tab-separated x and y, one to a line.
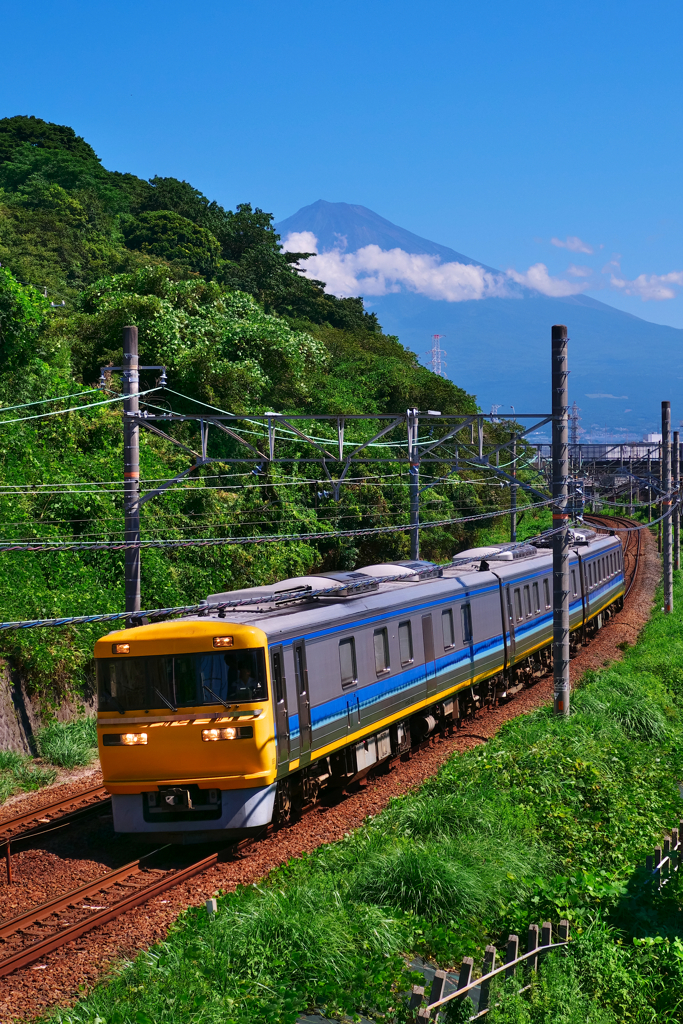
186	732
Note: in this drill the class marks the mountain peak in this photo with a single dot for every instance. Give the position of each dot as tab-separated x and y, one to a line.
349	227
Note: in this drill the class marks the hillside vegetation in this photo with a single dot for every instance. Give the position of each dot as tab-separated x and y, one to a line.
219	304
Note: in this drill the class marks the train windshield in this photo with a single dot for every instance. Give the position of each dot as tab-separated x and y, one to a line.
181	680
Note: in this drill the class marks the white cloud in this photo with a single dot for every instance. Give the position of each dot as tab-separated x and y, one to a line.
601	395
649	286
572	243
300	241
375	271
579	271
537	277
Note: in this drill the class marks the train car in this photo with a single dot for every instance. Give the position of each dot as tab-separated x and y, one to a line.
223	722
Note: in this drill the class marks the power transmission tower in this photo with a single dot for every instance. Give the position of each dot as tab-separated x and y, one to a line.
574	420
436	354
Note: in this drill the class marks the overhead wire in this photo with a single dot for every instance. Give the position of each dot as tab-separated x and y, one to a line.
9	545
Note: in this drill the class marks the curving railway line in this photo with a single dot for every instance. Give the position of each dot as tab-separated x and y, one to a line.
31	935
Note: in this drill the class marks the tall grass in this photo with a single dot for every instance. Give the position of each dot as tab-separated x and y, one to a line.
68	744
60	745
19	773
548	819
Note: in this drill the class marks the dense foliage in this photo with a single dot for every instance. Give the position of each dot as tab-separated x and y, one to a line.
237	326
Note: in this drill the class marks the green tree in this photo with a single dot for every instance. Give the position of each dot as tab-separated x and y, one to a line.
176	239
22	313
20	130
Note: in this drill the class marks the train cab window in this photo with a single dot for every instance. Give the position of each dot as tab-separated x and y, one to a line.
537	599
181	680
347	662
466	616
546	593
574	590
381	645
527	601
405	642
448	629
518	605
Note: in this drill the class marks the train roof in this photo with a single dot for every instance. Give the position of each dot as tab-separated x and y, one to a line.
385	587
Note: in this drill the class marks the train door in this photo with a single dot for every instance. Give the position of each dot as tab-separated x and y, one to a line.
302	696
277	675
511	621
467	636
428	645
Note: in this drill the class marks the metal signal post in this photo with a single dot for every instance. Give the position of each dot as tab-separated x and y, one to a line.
560	476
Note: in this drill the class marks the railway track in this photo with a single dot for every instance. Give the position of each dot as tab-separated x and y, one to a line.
31	935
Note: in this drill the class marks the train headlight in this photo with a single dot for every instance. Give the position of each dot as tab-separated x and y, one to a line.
223	641
242	732
210	735
120	648
124	739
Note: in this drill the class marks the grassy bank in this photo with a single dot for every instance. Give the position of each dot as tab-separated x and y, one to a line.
549	819
59	745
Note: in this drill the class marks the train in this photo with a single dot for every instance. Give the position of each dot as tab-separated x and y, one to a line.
216	725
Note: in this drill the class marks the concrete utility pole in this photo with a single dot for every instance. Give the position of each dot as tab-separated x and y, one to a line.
131	467
560	473
676	459
414	482
666	508
513	491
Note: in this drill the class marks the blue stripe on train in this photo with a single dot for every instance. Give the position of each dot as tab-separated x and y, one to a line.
367	696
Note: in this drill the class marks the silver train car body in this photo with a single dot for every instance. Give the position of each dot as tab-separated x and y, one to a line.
354	680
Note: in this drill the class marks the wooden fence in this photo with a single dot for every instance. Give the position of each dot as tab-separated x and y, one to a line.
667	857
534	954
666	860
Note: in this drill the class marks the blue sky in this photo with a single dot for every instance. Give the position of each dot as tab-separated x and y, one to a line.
492	128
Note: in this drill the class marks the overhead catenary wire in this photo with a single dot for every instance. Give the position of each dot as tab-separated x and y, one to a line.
46	401
75	408
11	546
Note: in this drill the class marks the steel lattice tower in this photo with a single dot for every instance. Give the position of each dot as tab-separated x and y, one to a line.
436	354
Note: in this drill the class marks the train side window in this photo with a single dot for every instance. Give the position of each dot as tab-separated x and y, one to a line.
381	643
347	662
466	614
448	630
537	599
546	593
518	605
574	590
527	601
277	676
405	642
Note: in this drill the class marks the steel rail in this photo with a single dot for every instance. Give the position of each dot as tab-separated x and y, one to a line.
57	903
47	945
52	808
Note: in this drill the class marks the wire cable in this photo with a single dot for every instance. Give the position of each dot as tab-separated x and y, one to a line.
11	546
45	401
74	408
